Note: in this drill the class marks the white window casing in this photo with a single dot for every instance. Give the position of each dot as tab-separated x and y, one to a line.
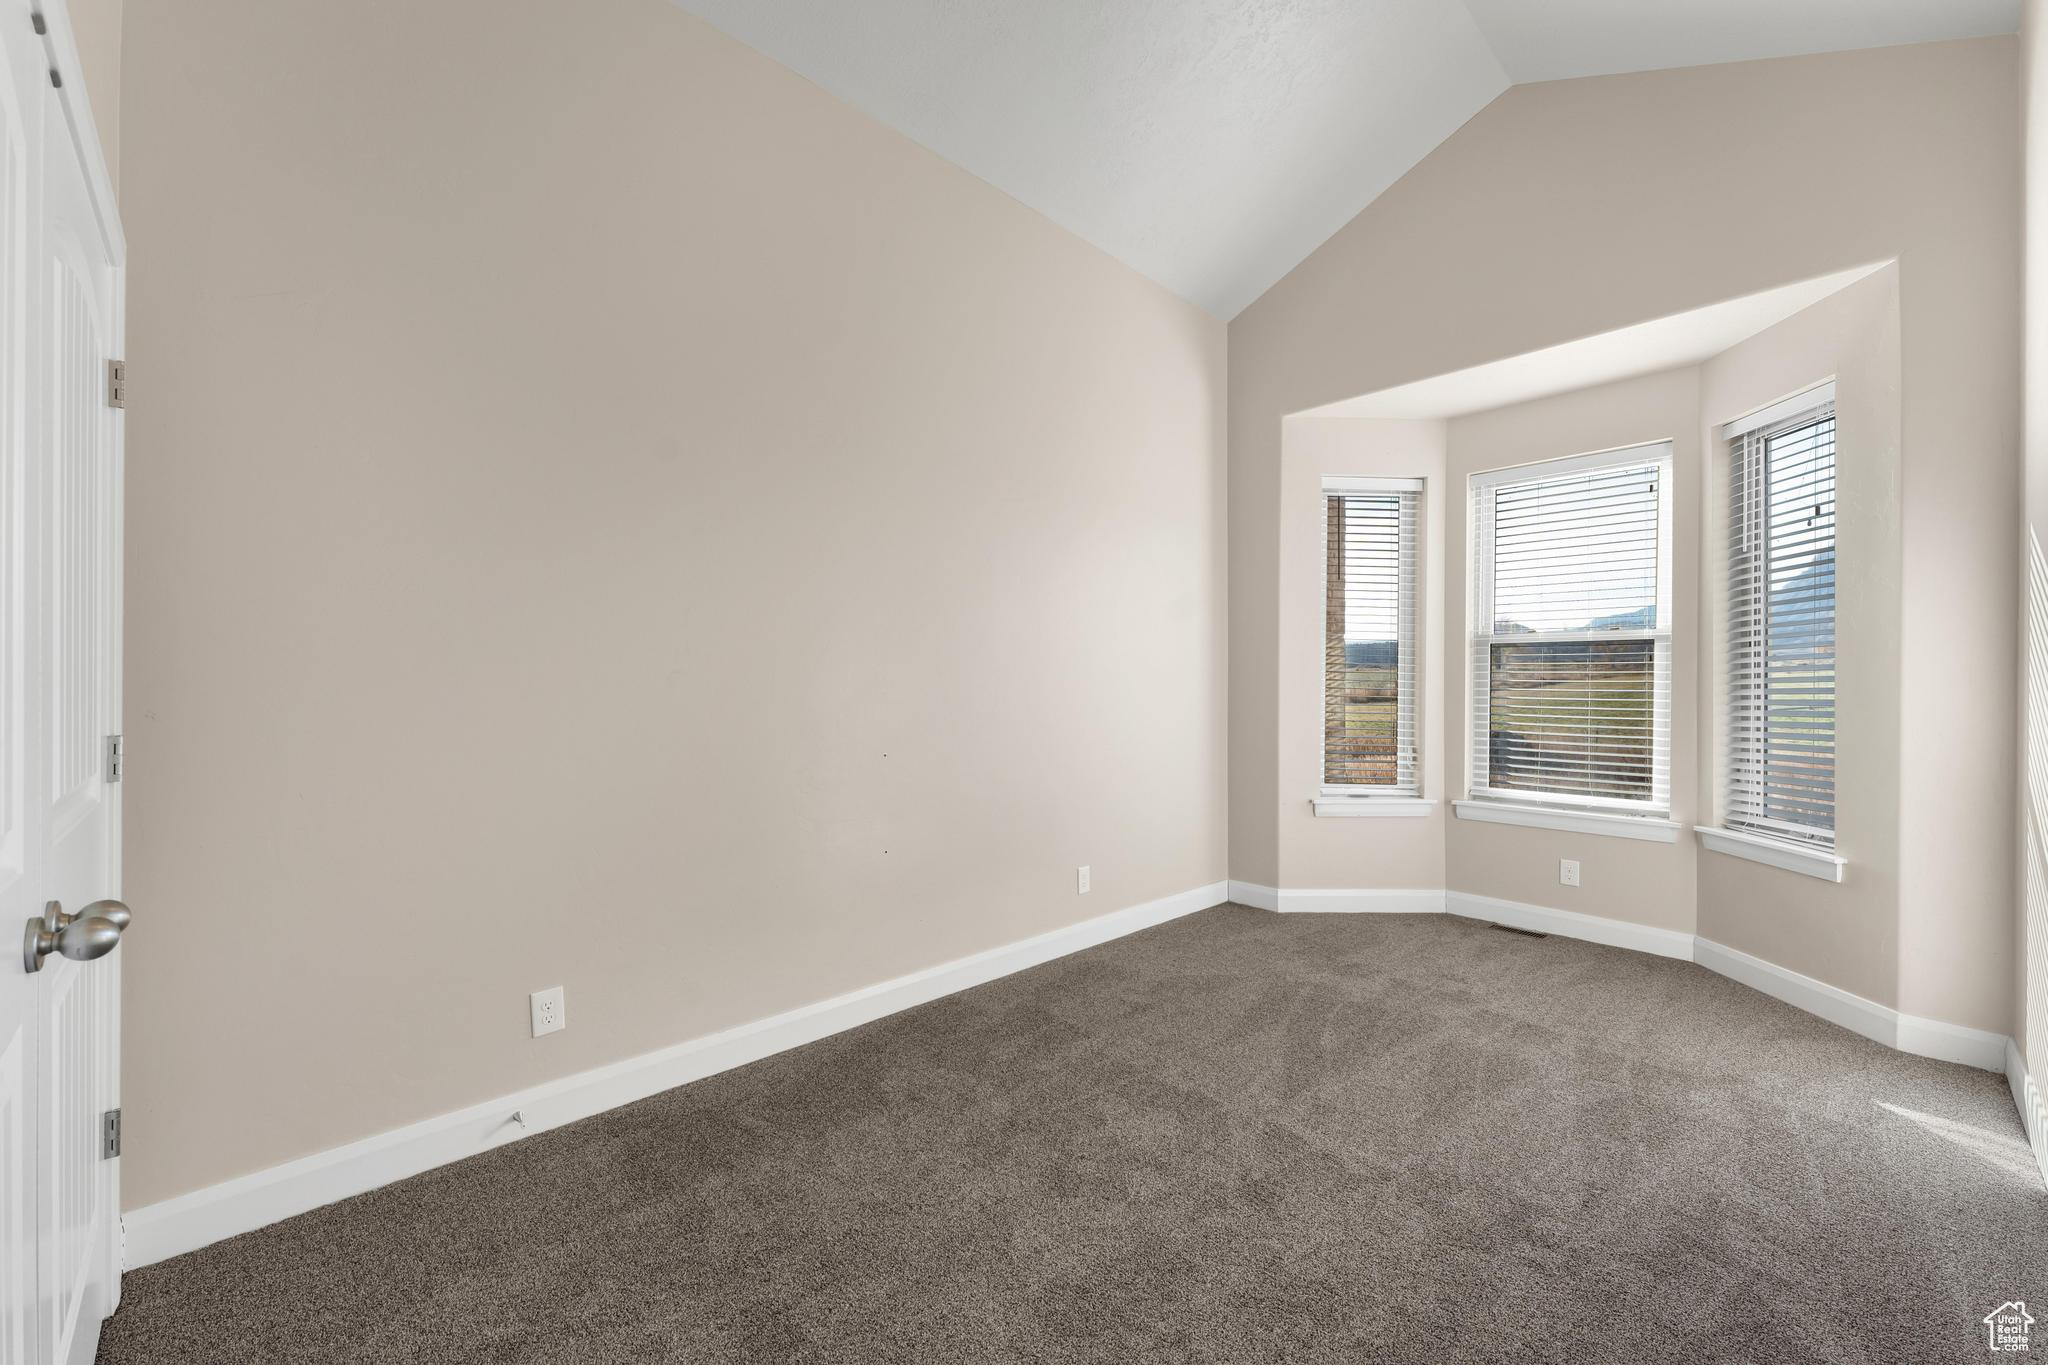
1779	718
1570	634
1370	563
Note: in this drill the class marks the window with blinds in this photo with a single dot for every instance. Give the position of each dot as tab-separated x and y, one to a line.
1571	632
1369	568
1781	621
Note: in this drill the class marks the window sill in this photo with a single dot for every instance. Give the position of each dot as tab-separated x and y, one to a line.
1653	828
1811	862
1384	807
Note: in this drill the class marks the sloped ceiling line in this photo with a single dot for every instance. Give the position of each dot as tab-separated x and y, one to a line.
1212	145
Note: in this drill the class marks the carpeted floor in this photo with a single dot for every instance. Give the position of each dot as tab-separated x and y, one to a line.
1237	1137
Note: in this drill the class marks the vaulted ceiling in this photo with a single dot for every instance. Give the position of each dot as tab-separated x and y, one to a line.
1213	144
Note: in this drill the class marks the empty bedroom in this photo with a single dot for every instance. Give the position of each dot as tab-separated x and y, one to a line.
886	681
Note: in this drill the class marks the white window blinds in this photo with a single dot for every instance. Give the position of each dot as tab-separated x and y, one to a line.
1781	621
1571	632
1369	636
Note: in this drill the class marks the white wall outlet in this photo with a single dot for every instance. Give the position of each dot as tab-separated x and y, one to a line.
1081	880
550	1010
1568	871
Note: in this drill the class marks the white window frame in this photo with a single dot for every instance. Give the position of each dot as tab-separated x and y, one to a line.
1402	798
1811	854
1482	800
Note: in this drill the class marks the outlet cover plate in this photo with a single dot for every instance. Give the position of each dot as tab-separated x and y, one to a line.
550	1009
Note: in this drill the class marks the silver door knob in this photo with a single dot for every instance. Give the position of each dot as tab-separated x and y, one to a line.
81	937
113	912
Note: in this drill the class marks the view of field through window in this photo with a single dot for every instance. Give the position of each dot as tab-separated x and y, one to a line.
1368	639
1570	668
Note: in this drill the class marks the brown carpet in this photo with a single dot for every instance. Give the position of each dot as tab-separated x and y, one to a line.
1237	1137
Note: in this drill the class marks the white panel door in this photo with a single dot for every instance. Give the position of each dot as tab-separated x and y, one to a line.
59	700
77	661
22	865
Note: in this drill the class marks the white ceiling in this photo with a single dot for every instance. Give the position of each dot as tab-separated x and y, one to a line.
1213	144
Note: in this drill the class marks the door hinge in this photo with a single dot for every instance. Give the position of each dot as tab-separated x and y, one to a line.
110	1135
117	383
115	758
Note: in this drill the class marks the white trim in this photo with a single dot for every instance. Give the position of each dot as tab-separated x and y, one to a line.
1256	896
202	1217
1880	1023
1352	483
1737	843
1946	1042
1644	452
1798	405
2027	1098
1543	919
1409	511
1483	492
240	1205
1341	902
1413	807
1653	828
1337	902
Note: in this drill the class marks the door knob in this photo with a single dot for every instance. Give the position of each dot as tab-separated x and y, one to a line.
113	912
78	937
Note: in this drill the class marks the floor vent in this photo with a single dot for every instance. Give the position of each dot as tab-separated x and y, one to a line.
1511	929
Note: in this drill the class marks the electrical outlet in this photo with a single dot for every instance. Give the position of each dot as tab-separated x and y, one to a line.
1568	871
1081	880
550	1010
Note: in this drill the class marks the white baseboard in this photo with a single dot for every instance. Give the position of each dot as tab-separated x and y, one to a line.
1952	1043
194	1220
1541	918
2033	1106
1361	903
1880	1023
1256	896
1615	933
1337	902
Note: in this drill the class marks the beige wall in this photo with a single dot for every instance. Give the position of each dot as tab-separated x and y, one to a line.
1388	854
1629	879
1845	933
96	24
693	547
1569	209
